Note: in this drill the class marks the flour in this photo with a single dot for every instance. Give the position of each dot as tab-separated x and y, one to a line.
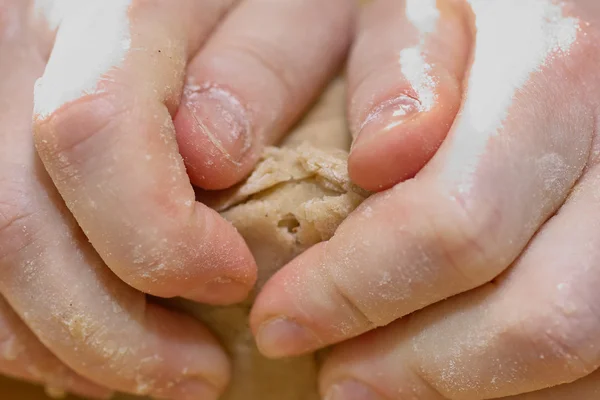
93	38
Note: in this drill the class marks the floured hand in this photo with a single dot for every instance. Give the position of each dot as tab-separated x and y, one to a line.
481	117
107	212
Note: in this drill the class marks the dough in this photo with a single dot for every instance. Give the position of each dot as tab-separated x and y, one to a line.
296	197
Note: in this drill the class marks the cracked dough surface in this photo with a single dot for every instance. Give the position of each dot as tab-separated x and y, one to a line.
296	197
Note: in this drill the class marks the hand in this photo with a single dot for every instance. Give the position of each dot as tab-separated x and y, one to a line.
502	219
107	113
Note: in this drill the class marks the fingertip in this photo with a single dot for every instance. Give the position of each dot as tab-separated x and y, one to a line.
350	389
282	337
86	389
298	310
231	271
194	390
208	264
189	350
276	299
363	364
272	319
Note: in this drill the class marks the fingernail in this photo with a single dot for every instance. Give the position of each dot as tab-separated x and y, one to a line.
387	116
220	291
283	337
220	116
351	390
193	390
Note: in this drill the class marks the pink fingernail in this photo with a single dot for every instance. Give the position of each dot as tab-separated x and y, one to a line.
351	390
283	337
387	116
221	117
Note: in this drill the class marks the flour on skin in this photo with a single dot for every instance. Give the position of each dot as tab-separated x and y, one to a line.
93	37
508	56
52	10
503	64
424	16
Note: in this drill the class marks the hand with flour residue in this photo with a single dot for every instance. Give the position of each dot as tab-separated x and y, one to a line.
107	212
478	123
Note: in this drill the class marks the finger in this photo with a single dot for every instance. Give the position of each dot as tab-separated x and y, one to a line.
534	328
455	226
586	388
108	141
50	275
254	78
405	77
95	323
22	356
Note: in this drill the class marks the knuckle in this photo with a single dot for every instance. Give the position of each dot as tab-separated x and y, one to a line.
96	348
365	317
270	58
76	132
11	19
465	237
563	338
17	216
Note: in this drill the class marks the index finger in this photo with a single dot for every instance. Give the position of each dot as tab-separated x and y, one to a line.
53	279
104	130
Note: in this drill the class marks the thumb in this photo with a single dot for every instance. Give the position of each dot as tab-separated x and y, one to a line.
405	74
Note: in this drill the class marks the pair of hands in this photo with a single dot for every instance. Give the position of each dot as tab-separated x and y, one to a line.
492	104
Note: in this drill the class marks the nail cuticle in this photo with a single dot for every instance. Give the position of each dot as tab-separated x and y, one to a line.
404	104
388	115
221	117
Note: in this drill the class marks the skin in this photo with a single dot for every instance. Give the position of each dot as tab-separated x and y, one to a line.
488	198
96	207
453	231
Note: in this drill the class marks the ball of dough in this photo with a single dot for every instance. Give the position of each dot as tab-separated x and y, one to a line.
296	197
